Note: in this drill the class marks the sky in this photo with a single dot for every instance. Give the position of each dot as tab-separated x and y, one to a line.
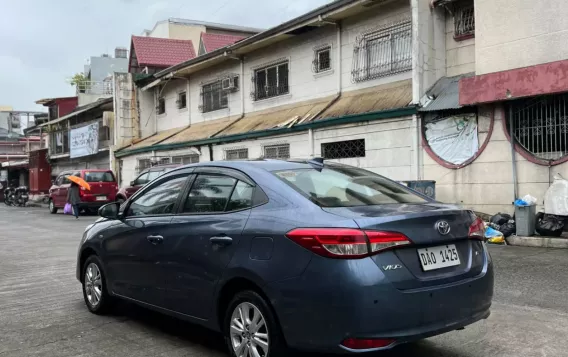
43	43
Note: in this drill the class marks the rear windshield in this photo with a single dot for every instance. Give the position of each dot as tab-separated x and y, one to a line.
99	176
344	186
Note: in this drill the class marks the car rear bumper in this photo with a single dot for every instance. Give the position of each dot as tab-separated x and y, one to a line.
92	205
334	300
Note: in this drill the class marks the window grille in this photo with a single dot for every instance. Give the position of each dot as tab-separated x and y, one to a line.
277	151
185	160
161	106
164	161
322	60
540	125
236	154
182	100
464	19
143	164
383	52
270	81
213	97
343	149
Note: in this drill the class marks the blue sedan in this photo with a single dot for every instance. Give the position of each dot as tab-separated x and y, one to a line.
303	254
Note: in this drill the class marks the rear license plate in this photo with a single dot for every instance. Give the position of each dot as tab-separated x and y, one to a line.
101	198
438	257
24	196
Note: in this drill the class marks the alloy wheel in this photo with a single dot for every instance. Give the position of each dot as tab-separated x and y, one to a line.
93	284
249	332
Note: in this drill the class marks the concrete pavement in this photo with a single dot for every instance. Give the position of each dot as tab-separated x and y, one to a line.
42	311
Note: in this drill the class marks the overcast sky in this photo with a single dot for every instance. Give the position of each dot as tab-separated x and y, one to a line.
43	43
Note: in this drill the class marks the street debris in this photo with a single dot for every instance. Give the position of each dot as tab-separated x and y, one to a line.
556	197
550	226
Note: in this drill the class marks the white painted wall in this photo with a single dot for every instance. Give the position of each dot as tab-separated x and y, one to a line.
173	117
519	33
460	54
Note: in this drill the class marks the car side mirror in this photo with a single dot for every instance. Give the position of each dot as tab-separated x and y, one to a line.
132	183
110	210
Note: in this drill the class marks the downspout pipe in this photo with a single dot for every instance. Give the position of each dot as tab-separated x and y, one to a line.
513	153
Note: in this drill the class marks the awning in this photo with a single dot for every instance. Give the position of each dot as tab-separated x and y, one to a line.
153	139
445	94
16	163
199	131
78	111
387	96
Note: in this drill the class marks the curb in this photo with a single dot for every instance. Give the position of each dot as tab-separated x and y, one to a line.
538	242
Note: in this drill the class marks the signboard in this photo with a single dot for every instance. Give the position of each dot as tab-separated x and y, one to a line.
84	141
454	139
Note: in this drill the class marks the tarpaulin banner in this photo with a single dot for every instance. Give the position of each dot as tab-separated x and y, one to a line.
84	141
454	139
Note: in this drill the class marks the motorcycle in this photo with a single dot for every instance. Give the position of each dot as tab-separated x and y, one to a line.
10	196
22	196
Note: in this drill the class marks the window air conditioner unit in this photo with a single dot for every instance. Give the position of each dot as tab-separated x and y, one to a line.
230	84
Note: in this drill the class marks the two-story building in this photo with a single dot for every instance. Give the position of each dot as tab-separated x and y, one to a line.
342	81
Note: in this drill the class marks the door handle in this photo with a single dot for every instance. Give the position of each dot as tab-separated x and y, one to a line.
155	240
221	240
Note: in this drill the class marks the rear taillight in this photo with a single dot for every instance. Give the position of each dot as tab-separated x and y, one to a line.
346	243
367	344
82	191
477	229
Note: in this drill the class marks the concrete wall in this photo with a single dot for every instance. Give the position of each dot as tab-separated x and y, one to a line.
519	33
173	117
186	32
460	54
161	30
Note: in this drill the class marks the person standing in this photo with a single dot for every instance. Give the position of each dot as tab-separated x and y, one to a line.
73	198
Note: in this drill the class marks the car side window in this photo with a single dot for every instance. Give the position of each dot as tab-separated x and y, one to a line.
142	179
209	193
154	175
158	200
63	180
241	197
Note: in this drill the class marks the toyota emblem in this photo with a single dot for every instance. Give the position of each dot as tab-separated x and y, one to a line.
443	227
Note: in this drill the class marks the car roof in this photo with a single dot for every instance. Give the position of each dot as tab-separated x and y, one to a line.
266	164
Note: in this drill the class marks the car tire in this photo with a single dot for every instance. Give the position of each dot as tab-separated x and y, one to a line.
52	208
267	339
95	292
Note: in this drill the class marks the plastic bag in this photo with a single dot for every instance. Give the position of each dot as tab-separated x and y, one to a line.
550	226
494	236
556	197
508	229
68	209
500	218
530	200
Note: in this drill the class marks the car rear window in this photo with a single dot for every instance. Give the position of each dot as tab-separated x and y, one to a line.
99	176
344	186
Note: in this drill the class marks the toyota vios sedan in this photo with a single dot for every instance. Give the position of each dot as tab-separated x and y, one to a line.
306	255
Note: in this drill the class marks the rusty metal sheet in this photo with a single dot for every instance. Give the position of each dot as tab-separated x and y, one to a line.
374	99
154	139
198	131
273	117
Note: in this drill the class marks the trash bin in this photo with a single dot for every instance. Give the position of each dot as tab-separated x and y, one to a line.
427	188
525	219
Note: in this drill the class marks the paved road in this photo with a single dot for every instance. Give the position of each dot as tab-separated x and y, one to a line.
42	311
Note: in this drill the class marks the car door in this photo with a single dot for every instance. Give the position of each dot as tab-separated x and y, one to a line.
207	232
134	245
137	184
62	187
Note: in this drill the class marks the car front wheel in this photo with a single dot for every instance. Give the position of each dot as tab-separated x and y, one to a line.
94	290
52	208
251	328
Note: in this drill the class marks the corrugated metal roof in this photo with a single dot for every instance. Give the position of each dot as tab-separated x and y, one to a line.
199	131
374	99
154	139
273	117
446	94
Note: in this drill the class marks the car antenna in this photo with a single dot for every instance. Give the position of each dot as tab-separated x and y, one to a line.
317	162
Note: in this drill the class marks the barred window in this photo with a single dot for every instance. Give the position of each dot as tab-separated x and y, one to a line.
343	149
270	81
182	100
143	164
322	60
277	151
161	106
185	160
164	161
383	52
213	97
464	19
540	125
236	154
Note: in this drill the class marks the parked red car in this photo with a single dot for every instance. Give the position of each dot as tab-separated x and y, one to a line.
103	189
145	176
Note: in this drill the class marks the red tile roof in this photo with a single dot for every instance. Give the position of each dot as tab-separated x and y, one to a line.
213	41
162	52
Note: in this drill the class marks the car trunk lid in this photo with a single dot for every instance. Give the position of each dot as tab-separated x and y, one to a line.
420	223
103	186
